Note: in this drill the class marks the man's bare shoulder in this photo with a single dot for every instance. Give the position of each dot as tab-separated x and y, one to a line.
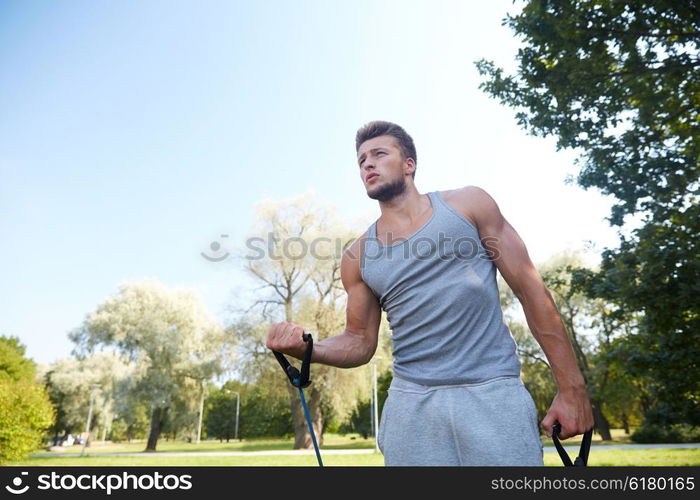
469	201
350	263
354	251
465	194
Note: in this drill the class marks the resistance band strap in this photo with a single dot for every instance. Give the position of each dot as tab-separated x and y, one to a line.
311	427
582	459
300	379
297	378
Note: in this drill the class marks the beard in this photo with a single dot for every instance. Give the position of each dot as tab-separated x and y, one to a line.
388	192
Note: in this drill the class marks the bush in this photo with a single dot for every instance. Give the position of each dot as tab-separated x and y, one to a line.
265	416
119	431
26	412
25	415
360	420
678	433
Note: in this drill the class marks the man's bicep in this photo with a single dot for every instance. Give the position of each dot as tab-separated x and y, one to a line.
363	313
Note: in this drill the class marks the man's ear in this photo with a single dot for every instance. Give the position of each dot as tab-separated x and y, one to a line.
410	166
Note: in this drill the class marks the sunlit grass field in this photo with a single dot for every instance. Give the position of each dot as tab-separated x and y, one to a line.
599	456
330	442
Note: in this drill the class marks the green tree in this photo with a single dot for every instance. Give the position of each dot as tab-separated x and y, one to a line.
360	419
70	383
131	410
594	332
265	412
170	339
299	272
623	395
220	414
25	410
618	82
535	371
132	420
12	361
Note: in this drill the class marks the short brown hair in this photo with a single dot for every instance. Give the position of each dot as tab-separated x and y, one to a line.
378	128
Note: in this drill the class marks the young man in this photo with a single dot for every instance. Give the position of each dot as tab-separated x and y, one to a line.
430	262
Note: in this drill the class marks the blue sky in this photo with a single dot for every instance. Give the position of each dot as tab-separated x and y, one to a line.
134	133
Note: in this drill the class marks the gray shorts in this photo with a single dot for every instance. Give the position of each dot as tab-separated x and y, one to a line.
487	423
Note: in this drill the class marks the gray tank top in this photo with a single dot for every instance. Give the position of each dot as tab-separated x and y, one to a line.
438	288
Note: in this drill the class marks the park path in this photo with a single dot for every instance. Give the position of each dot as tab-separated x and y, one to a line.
364	451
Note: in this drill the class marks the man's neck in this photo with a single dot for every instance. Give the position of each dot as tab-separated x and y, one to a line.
405	208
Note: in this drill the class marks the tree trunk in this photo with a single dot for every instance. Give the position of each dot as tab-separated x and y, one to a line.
201	414
602	426
157	420
625	423
302	437
316	414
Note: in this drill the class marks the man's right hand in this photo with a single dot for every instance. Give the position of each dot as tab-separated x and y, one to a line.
286	337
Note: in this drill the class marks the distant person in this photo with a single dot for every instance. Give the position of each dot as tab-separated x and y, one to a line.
430	262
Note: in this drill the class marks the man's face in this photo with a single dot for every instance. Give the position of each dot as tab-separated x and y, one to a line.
382	168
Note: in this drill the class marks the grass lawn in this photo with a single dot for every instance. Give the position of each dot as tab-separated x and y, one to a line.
599	455
330	442
151	460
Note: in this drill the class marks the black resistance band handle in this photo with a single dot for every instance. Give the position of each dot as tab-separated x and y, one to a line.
582	459
297	378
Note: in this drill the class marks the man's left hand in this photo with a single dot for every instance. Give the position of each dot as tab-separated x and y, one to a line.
572	409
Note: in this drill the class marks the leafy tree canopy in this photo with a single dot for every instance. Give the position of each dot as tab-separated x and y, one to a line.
620	82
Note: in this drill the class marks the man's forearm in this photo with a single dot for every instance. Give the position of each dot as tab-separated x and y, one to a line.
346	350
549	331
